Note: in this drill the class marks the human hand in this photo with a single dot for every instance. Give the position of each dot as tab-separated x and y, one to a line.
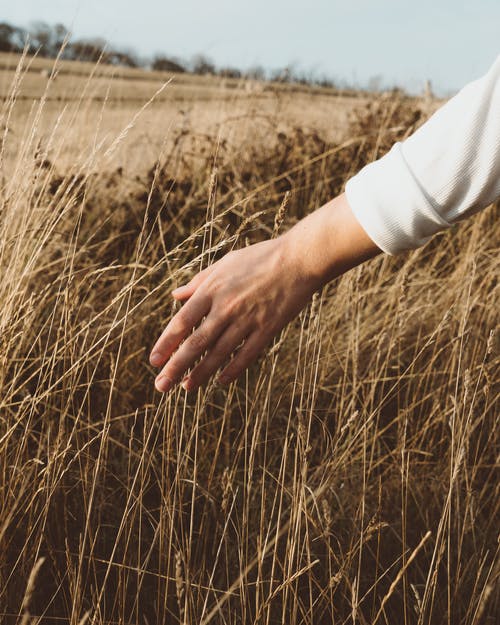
243	300
239	303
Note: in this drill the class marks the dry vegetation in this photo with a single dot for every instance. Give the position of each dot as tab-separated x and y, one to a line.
348	477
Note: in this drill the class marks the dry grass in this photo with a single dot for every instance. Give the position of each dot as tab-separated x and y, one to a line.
348	477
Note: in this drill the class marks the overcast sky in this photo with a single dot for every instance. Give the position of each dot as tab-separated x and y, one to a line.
406	41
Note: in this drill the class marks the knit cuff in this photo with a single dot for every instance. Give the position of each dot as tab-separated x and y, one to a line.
391	206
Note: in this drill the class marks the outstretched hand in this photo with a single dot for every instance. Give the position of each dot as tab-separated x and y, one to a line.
238	304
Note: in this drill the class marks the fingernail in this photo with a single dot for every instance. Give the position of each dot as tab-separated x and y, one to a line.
187	384
156	359
163	384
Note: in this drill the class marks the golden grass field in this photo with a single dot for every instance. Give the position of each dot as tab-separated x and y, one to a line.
350	476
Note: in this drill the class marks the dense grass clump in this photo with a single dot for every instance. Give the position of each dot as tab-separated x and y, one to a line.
348	477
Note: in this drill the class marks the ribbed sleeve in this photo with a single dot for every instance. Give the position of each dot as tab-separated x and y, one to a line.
447	170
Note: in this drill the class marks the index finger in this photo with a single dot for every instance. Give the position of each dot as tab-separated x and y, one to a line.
179	327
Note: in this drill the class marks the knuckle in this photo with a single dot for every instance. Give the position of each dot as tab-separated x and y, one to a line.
199	341
179	325
230	307
215	286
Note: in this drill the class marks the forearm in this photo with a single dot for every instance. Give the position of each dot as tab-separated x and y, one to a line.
327	243
234	308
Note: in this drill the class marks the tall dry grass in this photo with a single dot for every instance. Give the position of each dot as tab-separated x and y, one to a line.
348	477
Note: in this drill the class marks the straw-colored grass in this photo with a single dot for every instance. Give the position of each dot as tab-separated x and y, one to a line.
348	477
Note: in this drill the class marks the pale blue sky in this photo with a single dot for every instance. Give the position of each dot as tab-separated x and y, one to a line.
448	41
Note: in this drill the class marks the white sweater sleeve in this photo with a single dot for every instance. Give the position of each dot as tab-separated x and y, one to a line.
447	170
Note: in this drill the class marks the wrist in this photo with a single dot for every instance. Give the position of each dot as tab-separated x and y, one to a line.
327	243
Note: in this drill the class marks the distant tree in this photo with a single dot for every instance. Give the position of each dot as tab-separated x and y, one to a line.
41	38
398	92
91	50
12	38
203	65
126	58
60	35
162	63
47	40
230	72
326	82
303	77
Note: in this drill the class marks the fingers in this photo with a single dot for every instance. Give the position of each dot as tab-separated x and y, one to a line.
251	349
185	291
189	352
218	354
179	328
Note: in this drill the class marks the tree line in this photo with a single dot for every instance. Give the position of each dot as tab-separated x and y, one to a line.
49	41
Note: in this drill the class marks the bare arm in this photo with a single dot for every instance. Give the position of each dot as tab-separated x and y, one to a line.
248	296
436	177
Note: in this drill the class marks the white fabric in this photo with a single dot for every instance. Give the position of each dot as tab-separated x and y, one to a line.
447	170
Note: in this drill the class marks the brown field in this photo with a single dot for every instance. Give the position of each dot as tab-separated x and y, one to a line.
79	111
350	476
